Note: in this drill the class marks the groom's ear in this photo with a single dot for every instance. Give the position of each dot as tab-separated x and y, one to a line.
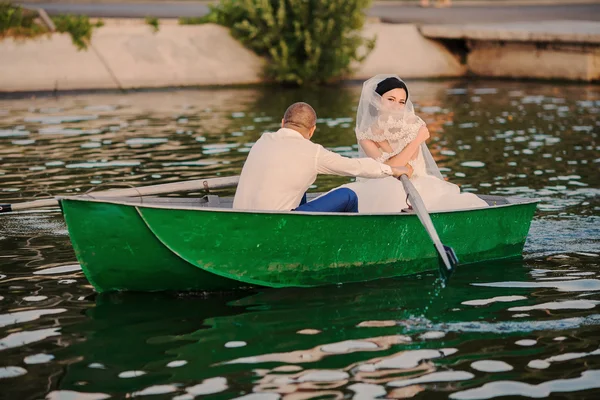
282	122
312	132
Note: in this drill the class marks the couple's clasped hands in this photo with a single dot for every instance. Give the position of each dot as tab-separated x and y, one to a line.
407	170
399	171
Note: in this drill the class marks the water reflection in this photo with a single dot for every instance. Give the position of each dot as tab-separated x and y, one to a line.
528	328
179	343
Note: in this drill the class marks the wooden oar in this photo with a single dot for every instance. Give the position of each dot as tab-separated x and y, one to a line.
185	186
446	253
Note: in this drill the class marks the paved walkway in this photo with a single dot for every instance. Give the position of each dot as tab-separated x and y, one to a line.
394	12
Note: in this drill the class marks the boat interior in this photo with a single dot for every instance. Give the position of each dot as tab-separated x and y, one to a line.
215	201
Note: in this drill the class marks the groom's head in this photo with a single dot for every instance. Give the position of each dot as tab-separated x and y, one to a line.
300	117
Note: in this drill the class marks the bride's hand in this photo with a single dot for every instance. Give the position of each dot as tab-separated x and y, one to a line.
423	134
399	171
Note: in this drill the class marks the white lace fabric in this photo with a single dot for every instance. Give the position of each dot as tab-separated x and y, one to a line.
394	130
397	133
397	128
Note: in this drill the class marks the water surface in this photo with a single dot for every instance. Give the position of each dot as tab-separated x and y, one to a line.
523	328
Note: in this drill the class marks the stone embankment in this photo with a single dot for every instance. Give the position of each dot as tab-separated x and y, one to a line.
126	54
565	50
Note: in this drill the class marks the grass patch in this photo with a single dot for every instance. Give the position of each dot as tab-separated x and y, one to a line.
19	22
78	26
16	21
193	20
153	22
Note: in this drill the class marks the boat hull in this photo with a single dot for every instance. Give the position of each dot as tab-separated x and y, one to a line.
149	248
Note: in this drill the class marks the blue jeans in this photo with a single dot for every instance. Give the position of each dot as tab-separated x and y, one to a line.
339	200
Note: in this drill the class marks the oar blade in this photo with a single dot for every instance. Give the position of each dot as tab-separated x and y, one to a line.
446	254
449	262
451	254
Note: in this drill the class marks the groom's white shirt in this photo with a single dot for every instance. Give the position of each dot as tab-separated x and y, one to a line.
282	165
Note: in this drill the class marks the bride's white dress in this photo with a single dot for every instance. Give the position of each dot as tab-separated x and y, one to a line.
387	195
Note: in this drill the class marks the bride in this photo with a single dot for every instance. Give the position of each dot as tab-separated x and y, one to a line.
388	130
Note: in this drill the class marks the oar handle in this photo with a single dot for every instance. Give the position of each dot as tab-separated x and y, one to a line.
175	187
4	208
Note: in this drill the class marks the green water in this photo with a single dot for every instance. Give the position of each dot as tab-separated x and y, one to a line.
526	328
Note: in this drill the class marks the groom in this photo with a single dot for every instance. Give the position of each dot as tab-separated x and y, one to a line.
282	165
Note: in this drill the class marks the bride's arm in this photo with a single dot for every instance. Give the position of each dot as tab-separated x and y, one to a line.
370	148
410	151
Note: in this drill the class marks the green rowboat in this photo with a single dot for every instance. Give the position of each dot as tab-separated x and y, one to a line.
202	244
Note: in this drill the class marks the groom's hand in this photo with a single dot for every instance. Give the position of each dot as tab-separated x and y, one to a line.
398	171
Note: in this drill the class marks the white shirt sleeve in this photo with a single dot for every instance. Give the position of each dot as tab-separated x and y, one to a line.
331	163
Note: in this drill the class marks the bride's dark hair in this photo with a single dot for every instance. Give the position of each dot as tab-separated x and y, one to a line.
385	86
389	84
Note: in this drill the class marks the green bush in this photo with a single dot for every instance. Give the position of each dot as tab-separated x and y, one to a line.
193	20
78	26
304	41
18	21
154	23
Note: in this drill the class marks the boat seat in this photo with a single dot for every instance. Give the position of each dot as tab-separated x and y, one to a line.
210	200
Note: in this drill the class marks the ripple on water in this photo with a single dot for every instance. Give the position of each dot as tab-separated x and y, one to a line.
367	391
143	141
53	120
100	108
54	163
104	164
580	285
26	316
199	163
11	372
23	338
348	346
208	386
156	389
526	342
588	380
131	374
218	148
445	376
58	270
491	366
323	376
35	298
38	359
538	364
432	335
559	305
91	145
177	363
259	396
68	131
12	133
407	359
497	299
511	326
473	164
72	395
234	344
